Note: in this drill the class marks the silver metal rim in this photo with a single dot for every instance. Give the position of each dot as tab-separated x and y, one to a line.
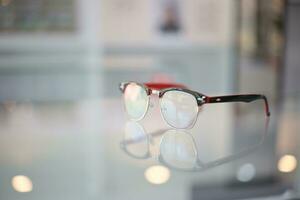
189	126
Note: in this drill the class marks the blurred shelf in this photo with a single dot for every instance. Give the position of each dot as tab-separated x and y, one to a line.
38	43
164	48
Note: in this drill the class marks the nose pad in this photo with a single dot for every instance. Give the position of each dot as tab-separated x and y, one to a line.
151	104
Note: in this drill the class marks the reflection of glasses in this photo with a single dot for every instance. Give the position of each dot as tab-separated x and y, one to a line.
179	106
136	141
177	148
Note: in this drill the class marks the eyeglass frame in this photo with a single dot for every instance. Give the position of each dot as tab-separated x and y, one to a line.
161	88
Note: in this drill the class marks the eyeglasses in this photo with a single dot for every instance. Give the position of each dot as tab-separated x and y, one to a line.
179	106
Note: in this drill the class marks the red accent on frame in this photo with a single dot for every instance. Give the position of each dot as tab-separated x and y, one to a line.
159	86
207	99
267	109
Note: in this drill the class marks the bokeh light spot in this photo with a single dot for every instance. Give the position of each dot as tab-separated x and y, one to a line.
287	163
21	183
157	174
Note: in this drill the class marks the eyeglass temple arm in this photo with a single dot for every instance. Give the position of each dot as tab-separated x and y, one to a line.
247	98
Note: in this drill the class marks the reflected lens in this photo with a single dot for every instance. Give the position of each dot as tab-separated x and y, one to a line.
179	109
178	150
135	140
136	100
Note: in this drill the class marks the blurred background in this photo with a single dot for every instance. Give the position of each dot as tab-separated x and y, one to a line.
61	118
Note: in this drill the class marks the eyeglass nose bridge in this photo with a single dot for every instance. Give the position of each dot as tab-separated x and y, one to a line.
156	92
